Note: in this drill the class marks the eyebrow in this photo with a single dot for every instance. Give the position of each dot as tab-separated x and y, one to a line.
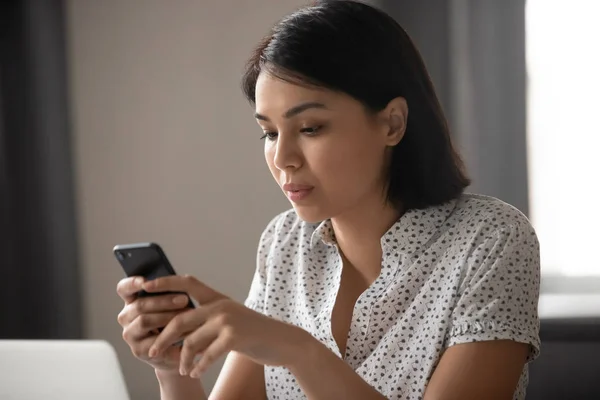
292	112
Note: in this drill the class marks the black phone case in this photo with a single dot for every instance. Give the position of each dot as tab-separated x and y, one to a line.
147	260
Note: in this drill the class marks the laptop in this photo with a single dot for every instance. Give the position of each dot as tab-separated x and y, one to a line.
60	369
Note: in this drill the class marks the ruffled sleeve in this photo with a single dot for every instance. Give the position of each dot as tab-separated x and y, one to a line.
500	290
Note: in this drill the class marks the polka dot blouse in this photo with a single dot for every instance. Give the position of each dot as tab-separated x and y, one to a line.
465	271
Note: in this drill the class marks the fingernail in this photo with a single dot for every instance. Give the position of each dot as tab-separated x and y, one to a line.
180	300
148	285
182	371
153	352
195	374
139	281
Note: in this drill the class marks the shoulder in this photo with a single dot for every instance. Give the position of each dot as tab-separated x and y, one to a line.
489	216
495	236
491	238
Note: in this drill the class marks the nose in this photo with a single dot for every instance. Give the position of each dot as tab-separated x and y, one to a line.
287	153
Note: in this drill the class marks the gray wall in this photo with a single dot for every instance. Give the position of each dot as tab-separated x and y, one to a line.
166	147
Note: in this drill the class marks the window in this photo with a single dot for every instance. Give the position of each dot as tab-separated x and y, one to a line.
563	62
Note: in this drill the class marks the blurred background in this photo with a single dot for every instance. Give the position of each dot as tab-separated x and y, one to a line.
122	121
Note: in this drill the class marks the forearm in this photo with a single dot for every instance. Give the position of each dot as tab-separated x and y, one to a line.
176	387
323	375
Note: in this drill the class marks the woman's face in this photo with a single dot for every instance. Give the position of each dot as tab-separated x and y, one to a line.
326	152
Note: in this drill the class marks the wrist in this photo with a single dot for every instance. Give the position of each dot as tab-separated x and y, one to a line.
167	376
306	351
174	386
166	373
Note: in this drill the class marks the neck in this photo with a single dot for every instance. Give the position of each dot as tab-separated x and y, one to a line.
358	234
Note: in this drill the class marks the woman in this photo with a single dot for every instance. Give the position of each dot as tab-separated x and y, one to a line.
384	280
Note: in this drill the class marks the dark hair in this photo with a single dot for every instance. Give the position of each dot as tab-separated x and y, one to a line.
351	47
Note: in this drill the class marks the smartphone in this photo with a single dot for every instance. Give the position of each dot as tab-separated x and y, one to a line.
147	260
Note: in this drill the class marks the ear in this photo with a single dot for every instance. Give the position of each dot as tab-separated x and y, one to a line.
394	117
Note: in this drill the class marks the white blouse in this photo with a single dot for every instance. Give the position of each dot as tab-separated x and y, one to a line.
465	271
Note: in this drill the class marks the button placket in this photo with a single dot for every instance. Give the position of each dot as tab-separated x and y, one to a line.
324	317
364	314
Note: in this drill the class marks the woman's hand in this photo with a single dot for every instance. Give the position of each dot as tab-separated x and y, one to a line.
142	317
221	325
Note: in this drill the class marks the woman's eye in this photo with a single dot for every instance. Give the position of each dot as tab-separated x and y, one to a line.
311	130
269	136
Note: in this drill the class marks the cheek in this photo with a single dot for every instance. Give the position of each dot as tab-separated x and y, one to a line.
270	159
351	166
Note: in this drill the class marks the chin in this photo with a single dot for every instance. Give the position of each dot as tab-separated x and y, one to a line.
311	214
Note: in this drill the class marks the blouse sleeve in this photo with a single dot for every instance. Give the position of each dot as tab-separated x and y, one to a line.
500	290
257	295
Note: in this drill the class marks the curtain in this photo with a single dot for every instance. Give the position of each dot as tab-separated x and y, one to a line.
40	295
475	53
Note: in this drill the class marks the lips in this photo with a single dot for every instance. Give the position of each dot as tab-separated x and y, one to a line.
294	187
297	192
